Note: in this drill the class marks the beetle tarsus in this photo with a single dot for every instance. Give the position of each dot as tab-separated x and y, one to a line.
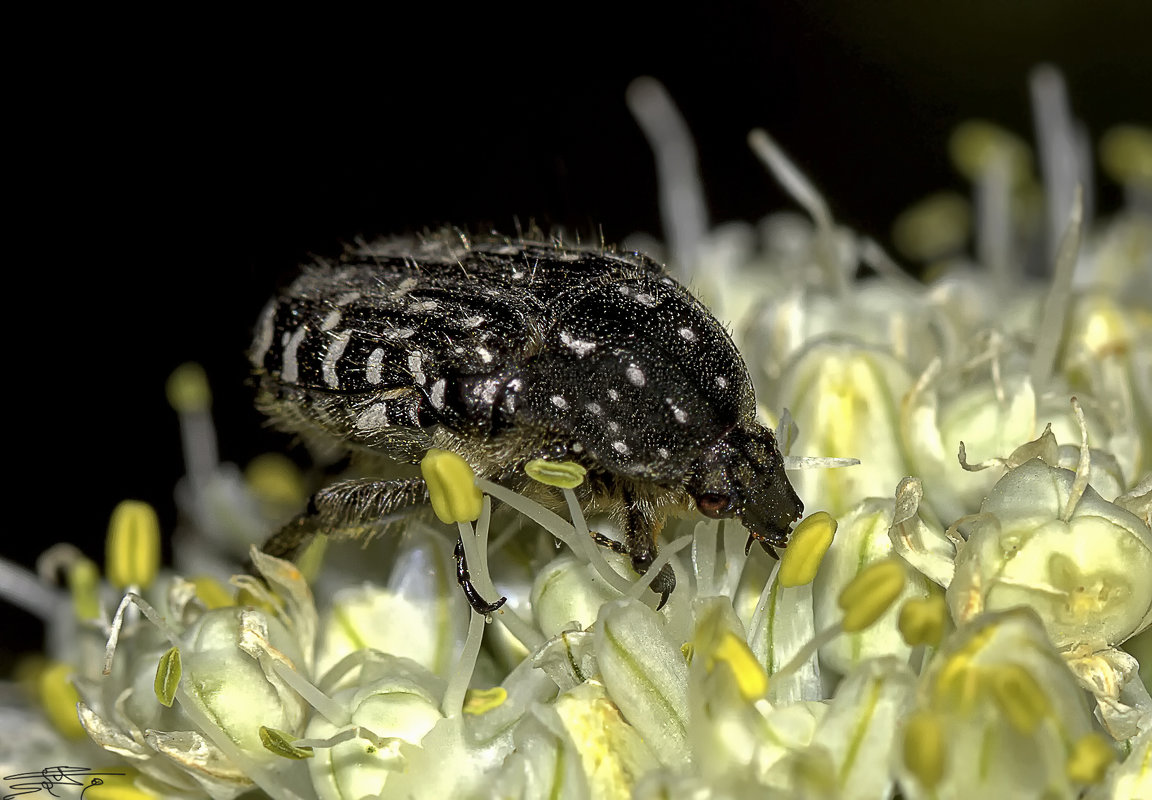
609	542
664	583
478	603
769	548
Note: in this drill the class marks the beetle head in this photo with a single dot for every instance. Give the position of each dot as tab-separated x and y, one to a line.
742	476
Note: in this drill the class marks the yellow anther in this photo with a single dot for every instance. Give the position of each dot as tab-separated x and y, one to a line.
132	550
936	226
1126	154
481	701
922	620
1090	758
187	389
275	479
751	679
871	593
211	592
451	487
280	743
810	541
957	684
311	558
59	698
924	753
247	598
977	145
84	586
168	673
1019	695
563	474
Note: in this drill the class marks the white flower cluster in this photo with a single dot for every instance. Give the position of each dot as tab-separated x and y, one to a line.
947	622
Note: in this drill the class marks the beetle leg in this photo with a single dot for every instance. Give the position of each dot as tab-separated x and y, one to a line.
345	507
769	547
609	542
640	542
478	603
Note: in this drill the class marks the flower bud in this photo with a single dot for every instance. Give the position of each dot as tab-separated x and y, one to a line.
566	591
645	675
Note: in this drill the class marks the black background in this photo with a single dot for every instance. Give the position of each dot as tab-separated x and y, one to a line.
169	173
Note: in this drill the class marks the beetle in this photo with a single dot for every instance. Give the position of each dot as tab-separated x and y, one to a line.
509	350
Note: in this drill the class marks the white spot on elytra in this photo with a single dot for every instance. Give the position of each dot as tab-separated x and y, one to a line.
688	334
472	322
424	305
347	297
613	394
332	320
373	417
580	347
680	414
577	447
416	367
624	290
559	402
614	427
662	452
593	407
398	333
635	375
335	350
436	396
290	370
646	299
484	354
620	447
375	361
721	381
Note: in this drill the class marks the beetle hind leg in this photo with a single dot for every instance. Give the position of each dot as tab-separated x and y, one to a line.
348	507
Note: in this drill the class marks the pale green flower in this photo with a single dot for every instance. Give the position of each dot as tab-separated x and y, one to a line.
1081	563
949	629
999	696
861	540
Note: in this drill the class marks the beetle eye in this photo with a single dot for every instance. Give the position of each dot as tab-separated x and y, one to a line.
712	504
